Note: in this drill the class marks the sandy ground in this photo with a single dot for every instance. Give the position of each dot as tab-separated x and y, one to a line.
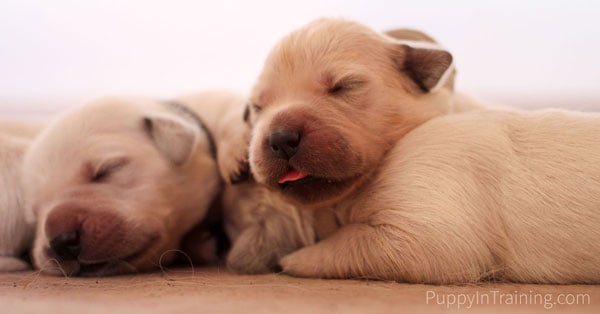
214	290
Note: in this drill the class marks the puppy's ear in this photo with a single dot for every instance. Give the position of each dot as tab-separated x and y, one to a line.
172	136
428	67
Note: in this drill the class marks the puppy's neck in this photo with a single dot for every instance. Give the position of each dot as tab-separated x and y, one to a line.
181	109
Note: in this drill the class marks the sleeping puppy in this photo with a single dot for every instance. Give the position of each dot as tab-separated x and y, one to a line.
261	225
16	233
350	121
117	183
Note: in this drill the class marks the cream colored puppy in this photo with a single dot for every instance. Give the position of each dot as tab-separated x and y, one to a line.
261	225
350	121
117	183
16	233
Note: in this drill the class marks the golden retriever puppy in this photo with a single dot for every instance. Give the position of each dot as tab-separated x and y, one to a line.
117	183
350	121
261	225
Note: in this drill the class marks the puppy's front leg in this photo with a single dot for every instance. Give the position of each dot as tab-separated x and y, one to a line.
385	252
355	251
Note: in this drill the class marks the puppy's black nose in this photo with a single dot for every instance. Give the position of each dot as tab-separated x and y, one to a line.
284	144
66	245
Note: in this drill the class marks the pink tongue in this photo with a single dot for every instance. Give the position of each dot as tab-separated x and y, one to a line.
292	175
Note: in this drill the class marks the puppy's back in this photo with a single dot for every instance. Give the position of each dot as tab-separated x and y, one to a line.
528	181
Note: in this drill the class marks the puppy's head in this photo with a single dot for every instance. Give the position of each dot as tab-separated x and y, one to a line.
333	97
114	185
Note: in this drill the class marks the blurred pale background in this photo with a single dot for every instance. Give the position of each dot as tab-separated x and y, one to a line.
57	54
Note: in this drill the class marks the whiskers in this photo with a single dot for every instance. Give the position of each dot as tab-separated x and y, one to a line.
50	266
163	265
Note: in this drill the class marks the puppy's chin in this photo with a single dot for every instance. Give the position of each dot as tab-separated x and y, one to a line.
137	262
313	189
316	192
141	258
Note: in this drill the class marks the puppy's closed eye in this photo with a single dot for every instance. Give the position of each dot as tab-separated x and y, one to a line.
344	85
108	168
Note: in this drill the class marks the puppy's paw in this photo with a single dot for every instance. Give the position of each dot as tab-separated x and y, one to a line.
303	263
10	264
254	252
247	264
233	139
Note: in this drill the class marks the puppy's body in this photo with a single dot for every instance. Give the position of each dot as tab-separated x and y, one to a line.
16	233
419	195
261	225
505	195
116	184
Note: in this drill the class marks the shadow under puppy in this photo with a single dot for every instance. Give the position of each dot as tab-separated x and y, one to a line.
347	120
116	184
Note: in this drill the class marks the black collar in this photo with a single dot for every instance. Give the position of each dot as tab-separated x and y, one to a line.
183	109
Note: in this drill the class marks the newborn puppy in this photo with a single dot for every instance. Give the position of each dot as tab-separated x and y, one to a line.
261	226
116	184
344	92
347	120
16	232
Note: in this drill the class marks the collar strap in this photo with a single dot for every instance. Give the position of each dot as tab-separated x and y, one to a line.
187	112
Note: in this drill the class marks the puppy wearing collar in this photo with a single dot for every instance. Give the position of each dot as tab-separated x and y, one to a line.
116	184
349	121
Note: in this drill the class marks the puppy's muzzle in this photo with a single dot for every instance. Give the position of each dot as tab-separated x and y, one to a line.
284	144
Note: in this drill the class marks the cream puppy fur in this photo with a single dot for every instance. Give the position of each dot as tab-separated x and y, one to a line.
261	225
16	233
350	122
117	183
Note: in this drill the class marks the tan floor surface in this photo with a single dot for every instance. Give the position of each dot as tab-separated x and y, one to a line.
215	290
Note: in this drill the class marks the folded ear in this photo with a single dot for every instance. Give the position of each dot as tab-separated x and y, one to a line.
173	137
427	66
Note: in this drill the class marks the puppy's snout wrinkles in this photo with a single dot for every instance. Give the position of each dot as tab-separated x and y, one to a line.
66	245
284	143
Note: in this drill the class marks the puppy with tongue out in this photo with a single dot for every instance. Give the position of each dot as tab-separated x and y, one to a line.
333	98
350	121
292	175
